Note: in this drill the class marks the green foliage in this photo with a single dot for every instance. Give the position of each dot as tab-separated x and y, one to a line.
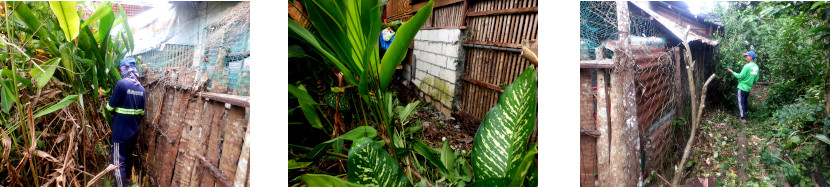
791	52
798	115
67	17
501	141
307	104
369	164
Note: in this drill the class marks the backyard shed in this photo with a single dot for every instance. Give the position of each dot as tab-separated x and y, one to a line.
659	79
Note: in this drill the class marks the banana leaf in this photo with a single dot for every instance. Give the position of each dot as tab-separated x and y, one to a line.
397	50
427	152
501	141
41	78
25	14
67	17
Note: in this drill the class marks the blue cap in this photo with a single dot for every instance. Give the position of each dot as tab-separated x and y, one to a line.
751	53
131	62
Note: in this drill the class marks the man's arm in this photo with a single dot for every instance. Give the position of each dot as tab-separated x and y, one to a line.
115	99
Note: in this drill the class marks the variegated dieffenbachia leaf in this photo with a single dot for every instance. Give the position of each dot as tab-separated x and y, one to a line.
326	180
370	165
501	141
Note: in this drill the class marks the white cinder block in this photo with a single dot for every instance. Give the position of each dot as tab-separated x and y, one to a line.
419	75
449	75
419	44
417	82
441	61
434	70
451	63
451	50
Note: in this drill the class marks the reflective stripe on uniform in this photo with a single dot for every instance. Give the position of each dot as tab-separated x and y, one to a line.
109	108
129	111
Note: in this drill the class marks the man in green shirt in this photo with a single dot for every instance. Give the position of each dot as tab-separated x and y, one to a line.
747	77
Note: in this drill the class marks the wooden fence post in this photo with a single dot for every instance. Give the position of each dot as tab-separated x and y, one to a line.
603	141
625	138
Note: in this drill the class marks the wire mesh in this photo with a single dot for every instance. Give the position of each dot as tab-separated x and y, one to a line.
656	69
214	51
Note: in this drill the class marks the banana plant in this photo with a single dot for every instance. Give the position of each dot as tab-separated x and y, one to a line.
347	39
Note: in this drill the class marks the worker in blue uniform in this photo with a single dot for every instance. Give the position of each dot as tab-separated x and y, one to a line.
127	102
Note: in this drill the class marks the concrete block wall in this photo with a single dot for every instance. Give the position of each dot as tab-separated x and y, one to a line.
436	61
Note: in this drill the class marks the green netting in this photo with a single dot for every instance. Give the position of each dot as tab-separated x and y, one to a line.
213	49
657	73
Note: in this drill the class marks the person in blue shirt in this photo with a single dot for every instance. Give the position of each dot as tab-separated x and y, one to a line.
127	101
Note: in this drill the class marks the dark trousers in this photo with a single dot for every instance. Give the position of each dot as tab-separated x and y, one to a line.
742	95
119	156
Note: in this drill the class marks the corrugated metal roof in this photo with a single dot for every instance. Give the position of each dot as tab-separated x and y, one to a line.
677	24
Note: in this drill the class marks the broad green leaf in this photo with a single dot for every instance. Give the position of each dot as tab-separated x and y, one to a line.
501	141
519	174
357	133
319	150
490	182
42	78
25	14
822	138
7	93
105	26
63	103
298	32
816	4
397	50
104	9
8	73
67	17
413	129
447	156
127	30
295	51
369	164
427	152
326	180
293	164
404	113
307	104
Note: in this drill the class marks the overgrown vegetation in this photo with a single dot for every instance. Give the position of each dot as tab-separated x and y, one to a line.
355	120
59	66
786	137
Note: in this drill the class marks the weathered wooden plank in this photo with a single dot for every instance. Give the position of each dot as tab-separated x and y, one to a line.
588	147
237	100
602	123
483	84
444	27
593	64
503	11
189	139
223	180
201	146
232	144
163	162
243	165
217	126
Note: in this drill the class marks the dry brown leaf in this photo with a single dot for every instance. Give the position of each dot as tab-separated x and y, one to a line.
45	155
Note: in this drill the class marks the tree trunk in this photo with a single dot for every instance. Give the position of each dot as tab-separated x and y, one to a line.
625	138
